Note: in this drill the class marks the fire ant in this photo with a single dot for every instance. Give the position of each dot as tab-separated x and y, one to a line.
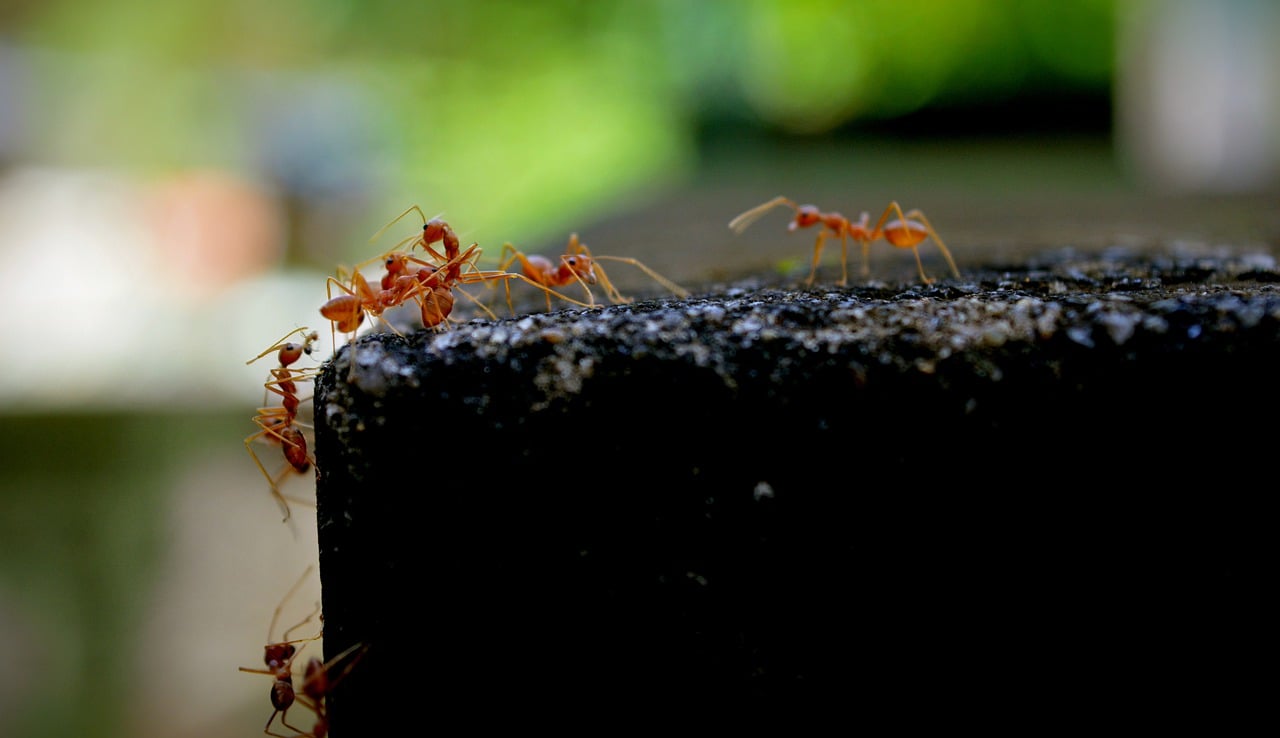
429	283
279	423
318	682
399	282
278	656
437	230
576	264
407	277
437	283
907	231
433	230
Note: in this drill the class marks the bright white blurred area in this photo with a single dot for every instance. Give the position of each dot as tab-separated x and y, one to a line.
1198	94
128	294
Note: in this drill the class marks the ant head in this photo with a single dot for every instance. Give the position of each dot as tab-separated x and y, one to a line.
581	265
806	215
278	654
434	230
426	275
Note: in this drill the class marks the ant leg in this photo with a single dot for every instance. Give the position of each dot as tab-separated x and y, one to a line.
550	292
278	344
675	289
298	375
906	227
529	268
275	492
359	295
319	682
396	219
844	259
911	240
742	220
478	303
504	264
338	318
817	251
934	235
609	291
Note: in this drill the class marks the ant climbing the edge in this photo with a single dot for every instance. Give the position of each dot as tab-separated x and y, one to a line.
576	264
278	656
318	677
279	423
907	231
318	682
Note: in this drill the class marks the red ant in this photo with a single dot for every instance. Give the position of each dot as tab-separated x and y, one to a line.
346	312
317	683
435	229
906	232
279	657
279	423
435	283
576	264
430	285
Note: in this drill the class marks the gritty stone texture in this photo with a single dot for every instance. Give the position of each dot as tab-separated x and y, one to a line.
779	493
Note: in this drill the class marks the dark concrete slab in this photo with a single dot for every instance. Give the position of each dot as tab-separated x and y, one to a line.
765	494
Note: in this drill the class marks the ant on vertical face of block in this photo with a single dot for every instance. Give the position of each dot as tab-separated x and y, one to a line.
279	423
576	264
906	231
278	657
319	681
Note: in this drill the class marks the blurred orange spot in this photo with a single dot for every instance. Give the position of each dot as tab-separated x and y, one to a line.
214	229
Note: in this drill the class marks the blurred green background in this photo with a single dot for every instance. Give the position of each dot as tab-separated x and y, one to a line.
177	180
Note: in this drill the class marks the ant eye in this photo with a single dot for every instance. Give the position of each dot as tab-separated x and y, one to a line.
571	261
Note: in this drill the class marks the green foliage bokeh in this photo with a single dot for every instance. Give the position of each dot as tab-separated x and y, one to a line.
518	119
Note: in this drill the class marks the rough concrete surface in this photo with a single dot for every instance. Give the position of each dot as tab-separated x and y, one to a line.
1048	477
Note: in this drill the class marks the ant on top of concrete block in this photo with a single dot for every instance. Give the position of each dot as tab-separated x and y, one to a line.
906	231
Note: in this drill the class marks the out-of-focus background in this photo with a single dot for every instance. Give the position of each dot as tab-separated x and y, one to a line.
177	180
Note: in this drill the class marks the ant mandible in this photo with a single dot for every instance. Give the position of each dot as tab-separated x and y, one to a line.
908	230
576	264
280	423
